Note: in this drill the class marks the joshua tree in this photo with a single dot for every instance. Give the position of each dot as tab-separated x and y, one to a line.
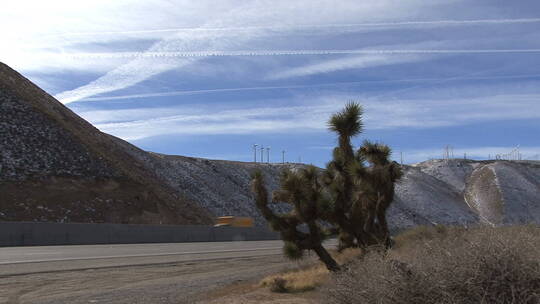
350	197
300	229
361	194
375	191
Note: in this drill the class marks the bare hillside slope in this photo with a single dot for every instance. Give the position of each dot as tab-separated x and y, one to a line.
465	192
55	166
222	187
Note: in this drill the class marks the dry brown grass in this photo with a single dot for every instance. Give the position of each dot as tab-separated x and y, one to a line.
447	265
308	276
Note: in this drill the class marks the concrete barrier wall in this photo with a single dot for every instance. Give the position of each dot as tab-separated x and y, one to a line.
31	234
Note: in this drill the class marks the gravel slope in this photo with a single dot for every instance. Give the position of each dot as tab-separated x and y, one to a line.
55	166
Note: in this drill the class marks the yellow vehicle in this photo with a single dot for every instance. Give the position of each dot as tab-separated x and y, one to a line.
233	221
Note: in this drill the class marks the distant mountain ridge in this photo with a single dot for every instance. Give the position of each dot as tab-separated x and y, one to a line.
55	166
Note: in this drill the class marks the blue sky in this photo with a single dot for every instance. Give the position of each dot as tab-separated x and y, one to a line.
212	78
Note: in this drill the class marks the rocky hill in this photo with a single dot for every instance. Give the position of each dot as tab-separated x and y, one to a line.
55	166
455	192
221	187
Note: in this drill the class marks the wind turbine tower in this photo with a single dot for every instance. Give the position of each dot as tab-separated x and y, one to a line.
255	153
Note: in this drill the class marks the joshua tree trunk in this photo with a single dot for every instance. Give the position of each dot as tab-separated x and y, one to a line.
326	258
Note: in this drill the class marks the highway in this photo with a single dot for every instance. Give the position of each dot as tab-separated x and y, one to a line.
93	256
134	273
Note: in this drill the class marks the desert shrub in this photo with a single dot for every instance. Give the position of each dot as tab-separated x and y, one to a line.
424	233
278	285
447	265
307	276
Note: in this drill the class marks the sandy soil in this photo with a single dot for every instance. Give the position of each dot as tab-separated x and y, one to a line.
214	281
249	293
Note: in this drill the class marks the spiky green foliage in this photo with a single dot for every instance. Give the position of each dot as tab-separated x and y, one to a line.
361	184
302	190
351	196
292	251
347	123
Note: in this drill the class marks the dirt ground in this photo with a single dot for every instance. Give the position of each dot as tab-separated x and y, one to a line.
250	293
213	281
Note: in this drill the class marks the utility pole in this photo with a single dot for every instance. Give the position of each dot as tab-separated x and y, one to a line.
255	153
283	156
262	154
268	155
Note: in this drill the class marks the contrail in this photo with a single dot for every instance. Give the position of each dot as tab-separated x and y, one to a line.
308	26
139	68
151	54
193	92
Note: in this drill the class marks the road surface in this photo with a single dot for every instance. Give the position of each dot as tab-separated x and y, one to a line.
133	273
20	260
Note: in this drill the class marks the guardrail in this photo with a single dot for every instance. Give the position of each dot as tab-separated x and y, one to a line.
42	234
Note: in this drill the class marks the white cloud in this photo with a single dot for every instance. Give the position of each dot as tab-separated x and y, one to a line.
286	27
359	62
424	81
124	76
60	26
308	117
190	28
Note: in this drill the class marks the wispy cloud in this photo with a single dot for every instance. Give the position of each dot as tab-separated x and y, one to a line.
184	54
360	62
419	114
291	27
139	69
184	33
317	85
124	76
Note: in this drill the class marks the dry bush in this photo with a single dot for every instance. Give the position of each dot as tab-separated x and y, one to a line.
447	265
306	277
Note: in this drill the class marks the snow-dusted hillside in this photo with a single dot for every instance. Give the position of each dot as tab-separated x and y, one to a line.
467	192
222	187
456	192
